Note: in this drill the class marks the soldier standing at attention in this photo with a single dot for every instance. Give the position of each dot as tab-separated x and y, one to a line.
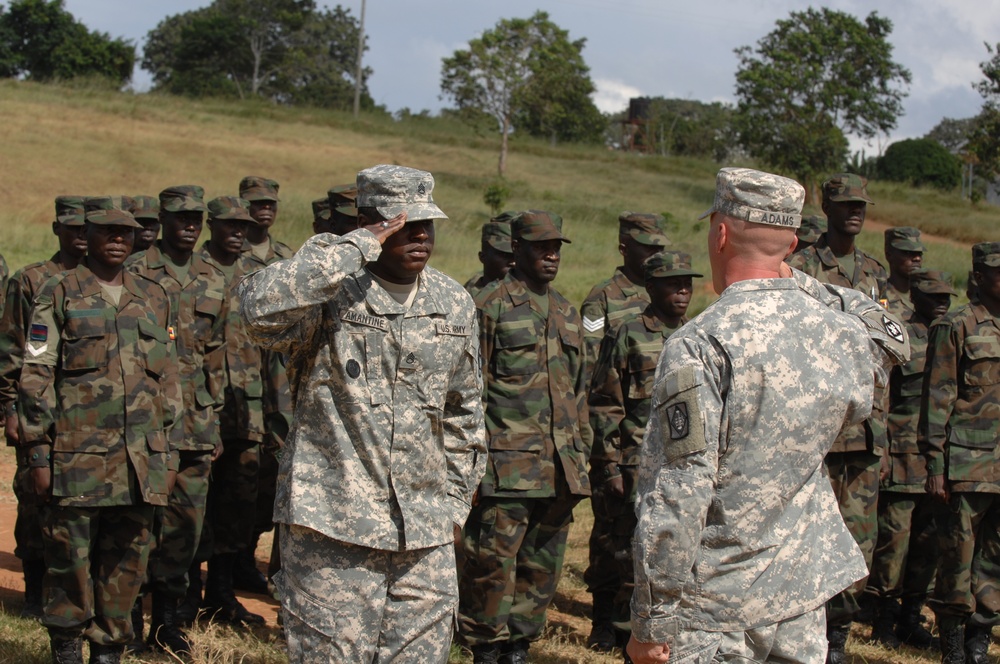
904	252
906	554
146	210
739	541
958	432
20	292
609	303
99	395
343	208
386	447
495	253
854	460
262	249
809	232
538	433
620	391
321	216
197	295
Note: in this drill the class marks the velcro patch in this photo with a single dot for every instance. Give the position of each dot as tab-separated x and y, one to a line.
454	330
367	320
677	418
592	325
892	328
39	333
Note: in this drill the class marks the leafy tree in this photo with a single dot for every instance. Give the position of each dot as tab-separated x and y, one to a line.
920	161
524	72
952	134
41	41
820	74
984	139
690	128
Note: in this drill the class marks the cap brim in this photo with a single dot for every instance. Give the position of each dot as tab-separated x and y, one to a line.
678	273
347	210
908	245
851	199
414	211
706	213
501	245
261	197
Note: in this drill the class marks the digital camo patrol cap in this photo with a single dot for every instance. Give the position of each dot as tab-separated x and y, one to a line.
393	189
758	197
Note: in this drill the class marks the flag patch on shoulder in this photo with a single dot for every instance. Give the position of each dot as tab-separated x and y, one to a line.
39	333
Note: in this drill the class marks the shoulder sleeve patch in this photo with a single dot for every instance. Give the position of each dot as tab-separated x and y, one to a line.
675	398
592	325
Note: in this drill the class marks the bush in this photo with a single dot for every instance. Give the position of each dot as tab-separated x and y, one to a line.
920	161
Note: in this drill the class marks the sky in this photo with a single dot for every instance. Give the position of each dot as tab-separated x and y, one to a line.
665	48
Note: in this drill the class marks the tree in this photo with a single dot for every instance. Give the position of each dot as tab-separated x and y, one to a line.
523	72
952	134
41	41
819	75
920	161
288	51
984	139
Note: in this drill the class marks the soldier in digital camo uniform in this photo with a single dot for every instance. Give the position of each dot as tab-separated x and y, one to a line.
905	558
495	253
99	394
958	432
539	436
197	295
386	447
904	252
21	289
262	249
854	460
739	541
620	392
609	303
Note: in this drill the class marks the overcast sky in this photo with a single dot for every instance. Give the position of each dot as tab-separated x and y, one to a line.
634	47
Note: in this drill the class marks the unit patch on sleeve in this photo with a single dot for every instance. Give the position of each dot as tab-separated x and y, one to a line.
677	418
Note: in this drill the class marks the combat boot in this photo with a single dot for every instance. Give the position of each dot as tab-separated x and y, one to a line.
220	600
164	631
187	610
34	575
602	632
909	626
246	576
102	654
884	622
486	653
66	651
953	645
137	645
977	642
836	636
514	653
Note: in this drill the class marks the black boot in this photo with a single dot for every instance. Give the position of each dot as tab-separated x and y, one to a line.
514	653
102	654
909	626
164	630
187	610
836	636
602	632
977	642
246	576
137	645
34	574
486	653
66	651
220	600
953	645
884	622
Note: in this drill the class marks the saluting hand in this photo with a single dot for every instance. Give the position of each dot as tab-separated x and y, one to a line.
383	229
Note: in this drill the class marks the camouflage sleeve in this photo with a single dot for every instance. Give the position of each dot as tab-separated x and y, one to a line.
487	332
679	463
173	399
37	398
216	378
582	387
280	303
464	429
12	328
937	400
607	400
4	274
594	314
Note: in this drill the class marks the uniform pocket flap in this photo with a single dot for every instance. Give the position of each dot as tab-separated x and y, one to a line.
976	438
515	334
529	442
157	441
85	442
982	348
150	329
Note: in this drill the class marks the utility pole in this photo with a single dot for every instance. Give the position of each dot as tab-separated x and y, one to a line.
361	50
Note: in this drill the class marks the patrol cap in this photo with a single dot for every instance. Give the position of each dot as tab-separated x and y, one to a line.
145	207
644	228
321	208
343	199
904	238
843	187
108	203
668	264
496	232
392	189
986	253
932	281
537	226
256	188
758	197
228	208
111	217
70	210
812	227
183	198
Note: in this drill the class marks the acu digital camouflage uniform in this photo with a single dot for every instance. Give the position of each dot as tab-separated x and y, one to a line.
620	391
99	394
538	433
853	461
386	447
737	525
197	294
959	435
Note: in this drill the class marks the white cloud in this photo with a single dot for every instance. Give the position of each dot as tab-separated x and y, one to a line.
612	96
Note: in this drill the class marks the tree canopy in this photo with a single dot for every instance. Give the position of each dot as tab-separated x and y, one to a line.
984	138
288	51
41	41
524	73
920	161
820	75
